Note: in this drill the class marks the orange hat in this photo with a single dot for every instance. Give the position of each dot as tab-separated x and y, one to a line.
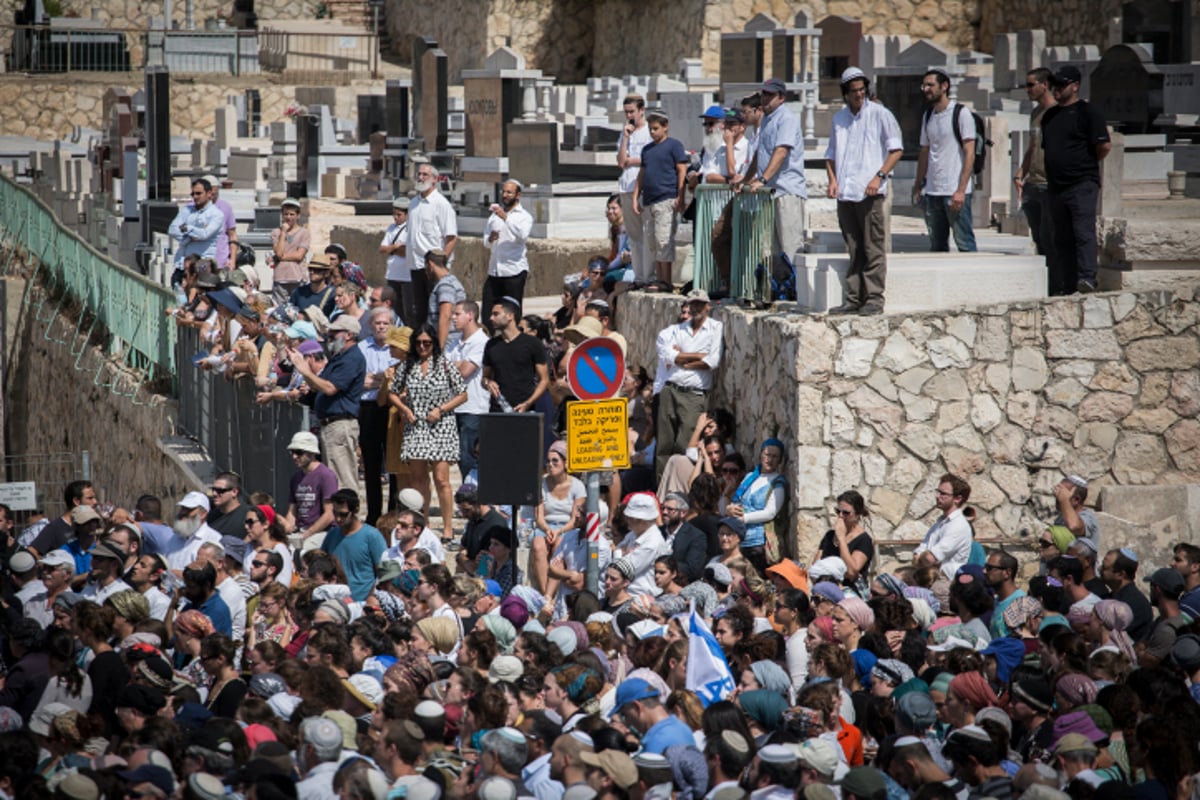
790	571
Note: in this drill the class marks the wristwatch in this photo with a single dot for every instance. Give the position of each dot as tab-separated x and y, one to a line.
880	174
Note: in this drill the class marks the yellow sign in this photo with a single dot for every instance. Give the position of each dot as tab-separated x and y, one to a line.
598	435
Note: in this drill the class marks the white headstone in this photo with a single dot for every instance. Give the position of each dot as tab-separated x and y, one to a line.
504	58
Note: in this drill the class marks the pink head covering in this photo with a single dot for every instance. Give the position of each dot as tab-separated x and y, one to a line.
1076	689
971	688
825	626
860	613
1116	616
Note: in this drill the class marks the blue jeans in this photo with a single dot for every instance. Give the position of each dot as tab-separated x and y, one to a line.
468	435
940	219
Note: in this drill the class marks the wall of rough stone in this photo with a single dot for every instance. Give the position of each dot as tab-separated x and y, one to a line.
48	107
47	386
1012	397
136	14
1070	22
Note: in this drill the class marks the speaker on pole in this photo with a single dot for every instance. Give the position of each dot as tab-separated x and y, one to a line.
510	459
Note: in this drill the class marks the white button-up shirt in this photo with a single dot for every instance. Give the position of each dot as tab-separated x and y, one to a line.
508	252
641	552
430	220
397	266
858	146
681	338
949	539
197	231
741	157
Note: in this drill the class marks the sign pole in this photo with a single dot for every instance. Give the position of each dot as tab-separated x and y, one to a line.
592	576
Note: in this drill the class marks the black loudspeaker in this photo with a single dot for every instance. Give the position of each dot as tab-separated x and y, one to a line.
510	459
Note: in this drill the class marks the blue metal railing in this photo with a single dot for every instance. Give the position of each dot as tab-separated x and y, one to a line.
129	306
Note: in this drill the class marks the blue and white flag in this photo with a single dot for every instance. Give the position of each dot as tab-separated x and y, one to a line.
708	672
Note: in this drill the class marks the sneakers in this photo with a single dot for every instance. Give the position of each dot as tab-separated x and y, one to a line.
1085	287
845	308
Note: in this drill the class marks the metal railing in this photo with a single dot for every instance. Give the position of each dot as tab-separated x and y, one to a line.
237	433
752	217
131	308
68	48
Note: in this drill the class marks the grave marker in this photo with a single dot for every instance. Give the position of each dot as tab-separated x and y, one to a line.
1128	88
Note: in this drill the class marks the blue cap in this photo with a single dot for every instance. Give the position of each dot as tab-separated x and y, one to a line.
734	524
713	112
226	298
493	588
774	86
301	329
631	691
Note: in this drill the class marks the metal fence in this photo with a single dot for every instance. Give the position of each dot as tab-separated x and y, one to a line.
752	217
129	307
238	434
65	48
50	472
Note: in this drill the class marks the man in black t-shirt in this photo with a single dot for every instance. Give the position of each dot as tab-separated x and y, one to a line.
514	364
1075	140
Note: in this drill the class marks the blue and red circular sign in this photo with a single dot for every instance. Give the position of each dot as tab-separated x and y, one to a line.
596	369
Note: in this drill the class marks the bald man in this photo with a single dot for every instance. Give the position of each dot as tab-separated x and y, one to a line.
505	235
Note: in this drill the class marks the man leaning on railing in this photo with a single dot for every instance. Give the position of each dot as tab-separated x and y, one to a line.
730	159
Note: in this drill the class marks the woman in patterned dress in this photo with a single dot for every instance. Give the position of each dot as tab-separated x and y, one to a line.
425	390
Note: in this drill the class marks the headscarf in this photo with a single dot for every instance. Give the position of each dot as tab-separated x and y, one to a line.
754	474
923	615
1116	616
771	677
414	669
1078	721
514	610
860	613
704	595
503	630
893	670
1099	715
921	593
440	632
891	584
864	661
764	707
268	514
972	689
194	623
1061	536
1009	653
579	683
1076	689
391	606
825	626
941	683
1020	611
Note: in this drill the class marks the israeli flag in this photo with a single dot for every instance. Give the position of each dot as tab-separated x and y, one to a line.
708	672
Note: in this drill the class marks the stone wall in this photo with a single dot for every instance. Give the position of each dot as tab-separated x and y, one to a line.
136	14
1071	22
48	387
1012	397
48	107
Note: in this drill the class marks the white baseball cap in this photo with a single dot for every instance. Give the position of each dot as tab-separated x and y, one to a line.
194	500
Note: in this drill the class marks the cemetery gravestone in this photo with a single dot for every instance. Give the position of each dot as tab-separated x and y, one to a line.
420	45
158	133
371	115
839	49
434	104
1128	88
741	58
533	152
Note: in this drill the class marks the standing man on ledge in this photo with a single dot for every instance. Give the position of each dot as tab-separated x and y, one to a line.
505	234
432	225
515	370
688	353
944	169
864	146
629	158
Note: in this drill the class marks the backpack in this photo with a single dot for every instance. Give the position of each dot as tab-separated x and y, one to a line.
982	143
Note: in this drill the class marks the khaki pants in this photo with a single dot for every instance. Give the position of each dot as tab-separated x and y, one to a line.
678	410
643	268
339	440
864	232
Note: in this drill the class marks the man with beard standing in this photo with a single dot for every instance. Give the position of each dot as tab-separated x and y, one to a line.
505	234
191	531
337	390
432	225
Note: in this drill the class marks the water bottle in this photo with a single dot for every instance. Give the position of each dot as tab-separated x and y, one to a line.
505	406
525	525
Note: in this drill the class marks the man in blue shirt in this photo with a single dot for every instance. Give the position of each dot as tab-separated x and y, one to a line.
198	226
338	389
200	590
86	523
778	164
658	195
357	546
640	706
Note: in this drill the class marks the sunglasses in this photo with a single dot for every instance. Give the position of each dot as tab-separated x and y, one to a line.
729	470
1045	543
258	563
424	343
221	489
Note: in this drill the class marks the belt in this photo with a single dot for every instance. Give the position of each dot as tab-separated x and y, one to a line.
336	418
679	388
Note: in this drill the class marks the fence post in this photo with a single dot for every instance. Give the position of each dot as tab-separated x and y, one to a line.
85	465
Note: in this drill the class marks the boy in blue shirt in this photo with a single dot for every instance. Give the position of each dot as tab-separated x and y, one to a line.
658	195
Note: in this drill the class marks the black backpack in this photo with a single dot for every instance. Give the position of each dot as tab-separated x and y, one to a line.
982	143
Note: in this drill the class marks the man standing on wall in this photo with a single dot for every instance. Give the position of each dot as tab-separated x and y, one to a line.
688	353
945	169
779	164
505	234
1031	175
432	225
1074	141
629	158
864	146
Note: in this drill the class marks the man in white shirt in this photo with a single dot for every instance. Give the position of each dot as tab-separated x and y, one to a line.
467	355
690	352
145	577
944	167
629	158
643	544
948	541
395	247
864	146
191	531
108	561
198	225
411	534
432	225
505	234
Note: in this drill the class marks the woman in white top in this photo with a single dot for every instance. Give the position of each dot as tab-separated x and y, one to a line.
563	497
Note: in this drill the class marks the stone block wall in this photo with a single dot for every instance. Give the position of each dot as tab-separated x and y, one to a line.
136	14
1070	22
47	390
1011	397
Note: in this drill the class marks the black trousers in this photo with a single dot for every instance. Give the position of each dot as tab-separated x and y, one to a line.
372	438
1073	217
494	288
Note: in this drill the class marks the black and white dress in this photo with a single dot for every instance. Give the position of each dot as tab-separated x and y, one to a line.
428	389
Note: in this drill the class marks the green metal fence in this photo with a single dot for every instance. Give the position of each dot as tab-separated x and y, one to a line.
752	217
127	305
